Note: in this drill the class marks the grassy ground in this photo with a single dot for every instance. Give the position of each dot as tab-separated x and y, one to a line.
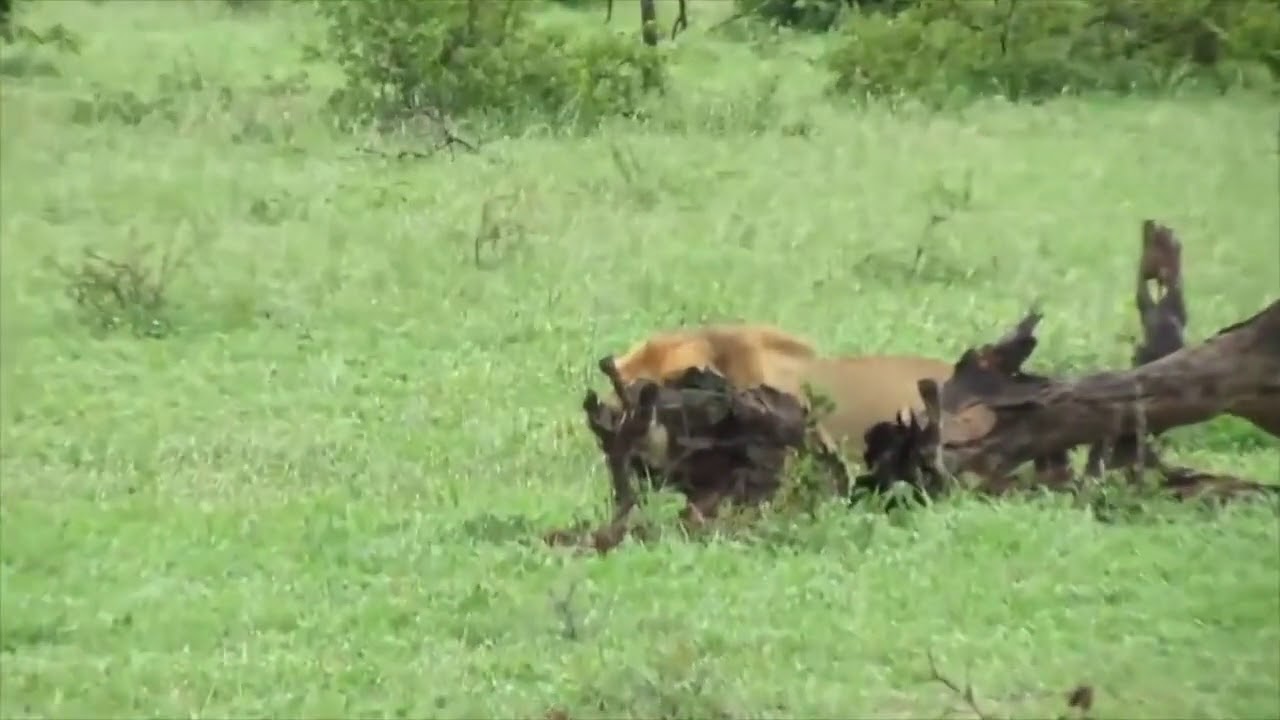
317	496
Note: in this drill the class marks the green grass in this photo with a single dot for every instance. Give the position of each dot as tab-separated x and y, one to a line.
319	497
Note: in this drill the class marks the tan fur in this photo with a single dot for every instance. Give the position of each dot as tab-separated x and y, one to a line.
747	355
870	389
864	390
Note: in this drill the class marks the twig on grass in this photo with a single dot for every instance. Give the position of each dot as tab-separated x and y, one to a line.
397	155
741	14
494	230
449	139
965	693
563	607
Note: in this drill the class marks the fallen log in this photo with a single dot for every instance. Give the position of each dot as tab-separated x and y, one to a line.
992	417
995	430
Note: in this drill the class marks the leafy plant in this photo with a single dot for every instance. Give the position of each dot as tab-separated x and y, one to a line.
130	293
814	15
941	50
403	58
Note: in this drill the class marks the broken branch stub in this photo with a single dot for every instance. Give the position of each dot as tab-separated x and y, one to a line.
620	433
1013	349
1164	323
1161	258
1164	320
994	366
906	450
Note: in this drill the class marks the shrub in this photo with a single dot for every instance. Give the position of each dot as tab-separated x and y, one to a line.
938	49
460	57
128	293
247	5
813	15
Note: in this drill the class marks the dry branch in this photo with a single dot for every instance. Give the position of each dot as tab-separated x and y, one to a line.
448	139
134	291
965	692
682	19
649	20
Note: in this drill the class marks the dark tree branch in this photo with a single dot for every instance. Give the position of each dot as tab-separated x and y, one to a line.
682	19
965	692
649	22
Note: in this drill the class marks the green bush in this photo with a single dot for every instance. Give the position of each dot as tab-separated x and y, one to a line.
6	18
813	15
938	50
466	57
248	5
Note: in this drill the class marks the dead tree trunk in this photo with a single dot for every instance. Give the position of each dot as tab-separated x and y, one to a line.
649	20
682	19
649	23
993	430
6	25
990	417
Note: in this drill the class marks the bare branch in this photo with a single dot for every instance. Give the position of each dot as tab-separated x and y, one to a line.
682	19
965	692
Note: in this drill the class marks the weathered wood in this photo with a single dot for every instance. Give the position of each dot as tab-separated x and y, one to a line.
990	417
682	19
1164	323
993	431
649	22
703	438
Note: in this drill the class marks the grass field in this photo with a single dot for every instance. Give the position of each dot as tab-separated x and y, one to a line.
319	495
